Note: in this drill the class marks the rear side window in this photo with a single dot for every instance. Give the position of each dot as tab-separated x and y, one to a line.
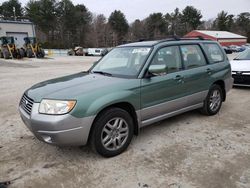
213	52
192	56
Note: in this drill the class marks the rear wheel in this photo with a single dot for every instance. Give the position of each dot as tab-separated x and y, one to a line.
6	54
29	53
41	54
112	132
213	102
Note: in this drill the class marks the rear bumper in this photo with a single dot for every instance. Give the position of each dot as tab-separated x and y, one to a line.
229	83
57	129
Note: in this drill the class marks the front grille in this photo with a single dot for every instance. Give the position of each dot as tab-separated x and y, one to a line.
26	104
241	79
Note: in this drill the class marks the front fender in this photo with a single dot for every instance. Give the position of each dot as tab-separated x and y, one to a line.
93	105
113	98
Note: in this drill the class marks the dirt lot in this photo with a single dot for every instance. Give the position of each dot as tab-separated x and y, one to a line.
190	150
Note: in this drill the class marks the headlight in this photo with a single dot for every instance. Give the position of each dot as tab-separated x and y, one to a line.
56	106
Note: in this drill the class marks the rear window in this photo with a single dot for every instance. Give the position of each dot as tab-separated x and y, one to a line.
214	53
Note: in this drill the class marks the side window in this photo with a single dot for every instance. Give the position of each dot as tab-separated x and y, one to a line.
213	52
192	56
166	60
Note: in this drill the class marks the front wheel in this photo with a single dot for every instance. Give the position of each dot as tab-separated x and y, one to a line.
21	53
112	132
213	102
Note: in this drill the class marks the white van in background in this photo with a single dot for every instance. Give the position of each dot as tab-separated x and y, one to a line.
95	51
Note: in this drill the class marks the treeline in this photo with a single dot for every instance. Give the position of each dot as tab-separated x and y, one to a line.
61	24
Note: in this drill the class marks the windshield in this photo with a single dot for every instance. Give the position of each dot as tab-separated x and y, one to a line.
244	55
122	61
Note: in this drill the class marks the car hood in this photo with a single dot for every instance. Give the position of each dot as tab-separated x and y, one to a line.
240	65
72	86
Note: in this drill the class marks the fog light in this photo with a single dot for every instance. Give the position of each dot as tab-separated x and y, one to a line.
47	138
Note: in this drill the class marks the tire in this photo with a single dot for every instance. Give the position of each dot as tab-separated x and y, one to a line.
21	53
6	54
213	101
112	126
42	53
29	53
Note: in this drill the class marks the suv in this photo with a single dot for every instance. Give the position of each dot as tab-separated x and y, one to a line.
134	85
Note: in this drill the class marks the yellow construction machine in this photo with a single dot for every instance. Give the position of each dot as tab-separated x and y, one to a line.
8	48
33	48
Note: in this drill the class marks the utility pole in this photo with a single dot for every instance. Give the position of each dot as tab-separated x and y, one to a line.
14	11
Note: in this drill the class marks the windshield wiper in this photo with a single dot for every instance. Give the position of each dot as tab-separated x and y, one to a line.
103	73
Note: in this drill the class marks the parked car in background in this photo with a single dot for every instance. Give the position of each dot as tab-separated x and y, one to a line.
241	69
235	48
95	51
133	86
77	51
227	50
104	52
246	46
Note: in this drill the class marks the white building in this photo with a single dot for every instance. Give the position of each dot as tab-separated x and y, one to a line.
17	29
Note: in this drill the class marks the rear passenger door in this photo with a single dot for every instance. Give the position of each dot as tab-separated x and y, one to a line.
197	73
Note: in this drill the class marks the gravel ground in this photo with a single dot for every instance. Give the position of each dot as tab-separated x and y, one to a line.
189	150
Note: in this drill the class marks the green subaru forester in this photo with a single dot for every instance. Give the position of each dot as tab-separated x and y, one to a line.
134	85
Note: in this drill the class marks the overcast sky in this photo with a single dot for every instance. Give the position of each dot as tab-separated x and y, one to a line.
140	9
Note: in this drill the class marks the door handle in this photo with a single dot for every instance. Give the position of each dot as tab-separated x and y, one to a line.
179	78
209	71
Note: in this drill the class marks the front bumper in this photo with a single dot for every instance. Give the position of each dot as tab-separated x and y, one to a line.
241	79
57	129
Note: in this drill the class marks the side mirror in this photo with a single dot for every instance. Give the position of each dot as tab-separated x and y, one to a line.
157	69
15	38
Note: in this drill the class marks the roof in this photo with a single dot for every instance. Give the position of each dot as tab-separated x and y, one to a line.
221	34
16	22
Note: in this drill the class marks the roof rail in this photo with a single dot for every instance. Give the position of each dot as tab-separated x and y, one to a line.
171	38
194	38
200	37
176	38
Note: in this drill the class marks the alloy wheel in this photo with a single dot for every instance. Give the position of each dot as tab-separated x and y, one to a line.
114	134
214	100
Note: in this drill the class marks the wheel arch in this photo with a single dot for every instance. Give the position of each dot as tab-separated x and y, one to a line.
128	107
221	83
